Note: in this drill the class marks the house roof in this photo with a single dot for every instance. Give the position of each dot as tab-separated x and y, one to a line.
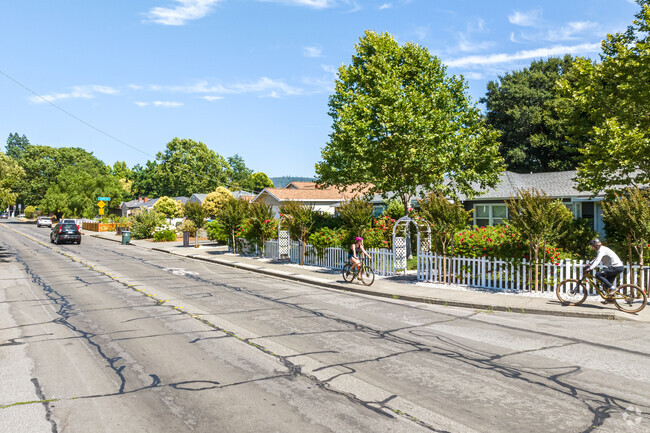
295	194
555	184
302	185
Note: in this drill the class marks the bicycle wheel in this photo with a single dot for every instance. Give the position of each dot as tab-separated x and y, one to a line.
347	275
367	275
630	298
571	292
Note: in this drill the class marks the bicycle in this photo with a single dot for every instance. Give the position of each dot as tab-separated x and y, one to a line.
628	298
364	272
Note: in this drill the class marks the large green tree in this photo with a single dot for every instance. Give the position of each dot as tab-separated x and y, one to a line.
523	106
74	192
10	175
16	145
611	106
239	174
144	182
259	181
400	122
187	167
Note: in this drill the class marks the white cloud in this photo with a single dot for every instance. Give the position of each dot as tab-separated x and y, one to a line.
141	104
526	19
211	98
262	87
473	75
186	11
492	59
77	92
166	104
313	52
385	6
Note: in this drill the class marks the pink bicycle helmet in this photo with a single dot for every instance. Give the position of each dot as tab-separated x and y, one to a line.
358	238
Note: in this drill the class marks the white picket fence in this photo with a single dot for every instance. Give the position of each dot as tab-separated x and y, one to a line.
381	260
483	272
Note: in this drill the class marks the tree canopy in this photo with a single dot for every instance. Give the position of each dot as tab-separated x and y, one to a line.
523	106
400	122
10	175
187	167
16	145
611	102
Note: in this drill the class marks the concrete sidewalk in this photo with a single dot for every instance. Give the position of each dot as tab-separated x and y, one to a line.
404	287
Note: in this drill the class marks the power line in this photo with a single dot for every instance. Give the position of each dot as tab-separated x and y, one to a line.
99	130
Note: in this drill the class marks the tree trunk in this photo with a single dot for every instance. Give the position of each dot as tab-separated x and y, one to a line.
234	244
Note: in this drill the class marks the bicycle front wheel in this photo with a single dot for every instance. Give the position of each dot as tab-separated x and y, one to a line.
571	292
367	276
347	275
630	298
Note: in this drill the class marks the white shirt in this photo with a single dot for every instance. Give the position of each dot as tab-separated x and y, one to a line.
607	256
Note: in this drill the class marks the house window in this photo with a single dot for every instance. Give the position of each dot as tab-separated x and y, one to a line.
490	214
378	210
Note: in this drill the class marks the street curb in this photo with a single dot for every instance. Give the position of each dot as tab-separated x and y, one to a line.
396	296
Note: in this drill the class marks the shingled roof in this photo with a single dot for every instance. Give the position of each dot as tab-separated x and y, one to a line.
556	184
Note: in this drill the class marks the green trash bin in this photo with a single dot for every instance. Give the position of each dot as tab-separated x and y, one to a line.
126	237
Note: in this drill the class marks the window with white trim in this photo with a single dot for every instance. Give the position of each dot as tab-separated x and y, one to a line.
490	214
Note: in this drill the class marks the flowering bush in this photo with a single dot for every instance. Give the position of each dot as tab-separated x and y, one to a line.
326	238
257	231
500	242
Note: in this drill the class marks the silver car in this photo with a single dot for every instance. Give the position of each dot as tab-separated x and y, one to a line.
44	222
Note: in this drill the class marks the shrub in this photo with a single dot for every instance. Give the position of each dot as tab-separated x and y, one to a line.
326	238
216	232
188	226
501	242
30	211
164	236
145	223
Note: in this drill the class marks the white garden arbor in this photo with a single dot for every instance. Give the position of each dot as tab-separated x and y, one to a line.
402	226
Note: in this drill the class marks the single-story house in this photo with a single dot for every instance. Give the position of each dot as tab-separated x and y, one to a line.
323	200
136	205
490	209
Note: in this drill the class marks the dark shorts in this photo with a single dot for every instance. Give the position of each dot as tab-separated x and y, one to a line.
350	256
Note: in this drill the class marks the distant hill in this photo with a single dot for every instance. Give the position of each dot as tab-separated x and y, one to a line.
281	182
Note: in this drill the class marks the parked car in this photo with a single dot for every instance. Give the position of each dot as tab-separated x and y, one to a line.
65	232
4	215
44	222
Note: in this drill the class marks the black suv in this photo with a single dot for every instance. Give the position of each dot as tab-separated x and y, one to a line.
65	232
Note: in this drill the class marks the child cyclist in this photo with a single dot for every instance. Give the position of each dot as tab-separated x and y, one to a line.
356	249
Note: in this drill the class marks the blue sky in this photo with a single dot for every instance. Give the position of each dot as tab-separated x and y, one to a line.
248	77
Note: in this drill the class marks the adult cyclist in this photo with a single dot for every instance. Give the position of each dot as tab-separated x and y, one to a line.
356	249
614	265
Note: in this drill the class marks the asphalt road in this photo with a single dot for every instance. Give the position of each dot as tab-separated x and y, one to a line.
103	337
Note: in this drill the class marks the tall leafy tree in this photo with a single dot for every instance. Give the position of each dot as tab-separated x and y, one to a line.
400	122
356	215
187	167
239	174
41	166
10	174
259	181
523	106
144	182
16	145
74	192
611	102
